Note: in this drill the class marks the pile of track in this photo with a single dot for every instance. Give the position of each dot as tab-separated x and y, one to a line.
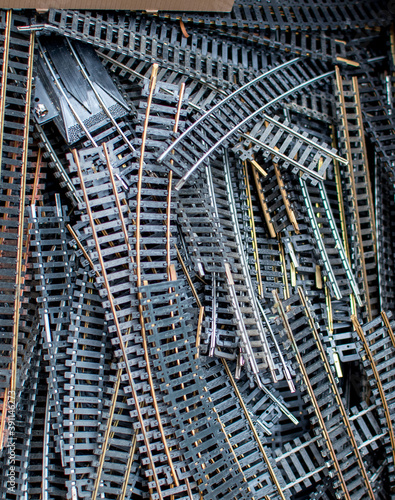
197	253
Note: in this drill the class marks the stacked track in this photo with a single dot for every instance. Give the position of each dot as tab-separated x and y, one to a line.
188	293
15	179
331	416
288	15
236	112
377	344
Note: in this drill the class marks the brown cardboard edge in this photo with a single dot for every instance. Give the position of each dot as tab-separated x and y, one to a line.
145	5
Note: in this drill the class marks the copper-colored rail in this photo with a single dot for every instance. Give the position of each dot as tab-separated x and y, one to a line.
376	375
283	191
263	203
117	326
354	189
21	225
389	327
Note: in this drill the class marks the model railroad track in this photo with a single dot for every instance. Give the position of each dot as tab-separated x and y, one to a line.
303	462
117	467
376	340
150	445
254	342
143	41
276	138
377	120
329	242
131	71
96	439
268	256
155	413
315	16
278	201
54	151
53	267
238	113
252	338
111	241
17	456
163	308
339	311
151	264
115	457
385	219
87	372
358	190
215	59
246	415
16	84
326	402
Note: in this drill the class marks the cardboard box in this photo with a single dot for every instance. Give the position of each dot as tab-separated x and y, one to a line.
145	5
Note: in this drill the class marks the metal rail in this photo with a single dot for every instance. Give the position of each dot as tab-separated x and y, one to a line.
224	101
318	239
376	375
119	334
4	73
255	113
336	392
313	399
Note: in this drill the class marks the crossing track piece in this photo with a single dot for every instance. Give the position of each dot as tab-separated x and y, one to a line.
358	190
221	123
17	67
376	340
310	355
